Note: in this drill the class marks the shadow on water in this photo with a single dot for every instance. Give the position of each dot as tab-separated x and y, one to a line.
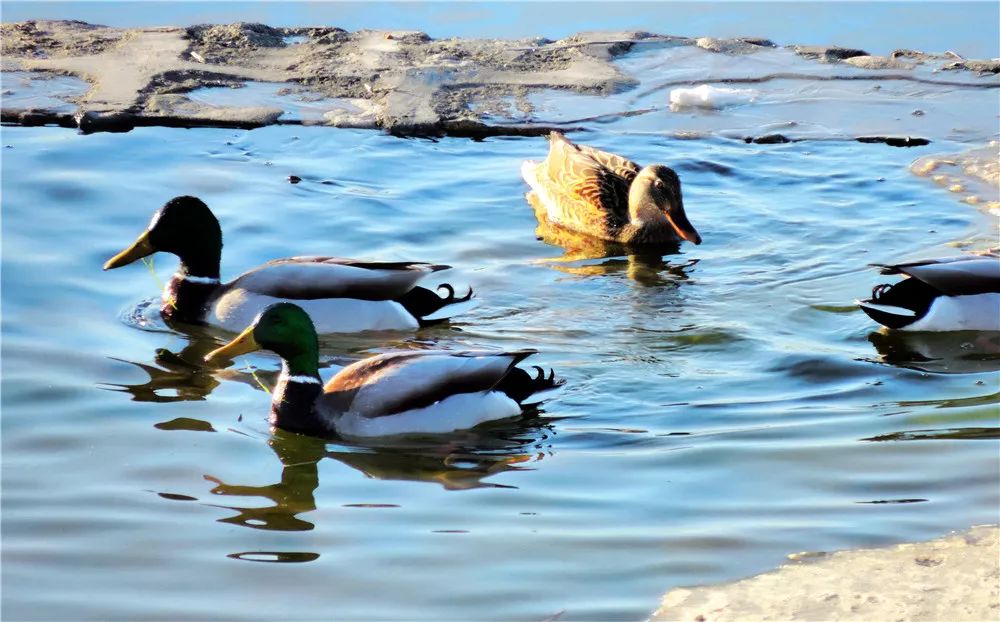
644	265
182	376
943	353
947	434
459	461
291	496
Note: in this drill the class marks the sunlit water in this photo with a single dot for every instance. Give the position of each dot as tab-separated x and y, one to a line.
725	405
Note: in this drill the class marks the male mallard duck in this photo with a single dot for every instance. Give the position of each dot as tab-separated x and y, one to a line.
344	295
607	196
393	393
958	293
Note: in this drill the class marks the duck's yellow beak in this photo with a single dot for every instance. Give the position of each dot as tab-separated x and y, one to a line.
142	247
241	345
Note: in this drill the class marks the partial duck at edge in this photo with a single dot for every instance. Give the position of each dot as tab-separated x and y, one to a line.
956	293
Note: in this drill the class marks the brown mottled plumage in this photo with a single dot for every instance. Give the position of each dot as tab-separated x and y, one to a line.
607	196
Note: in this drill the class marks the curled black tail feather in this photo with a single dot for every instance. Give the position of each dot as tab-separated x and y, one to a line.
420	301
911	294
519	384
450	298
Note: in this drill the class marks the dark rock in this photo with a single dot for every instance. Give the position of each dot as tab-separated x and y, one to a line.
738	45
238	35
35	118
768	139
895	141
827	53
91	121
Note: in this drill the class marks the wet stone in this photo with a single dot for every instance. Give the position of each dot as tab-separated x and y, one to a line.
827	53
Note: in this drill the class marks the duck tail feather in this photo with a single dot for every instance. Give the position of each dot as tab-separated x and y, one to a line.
430	307
519	384
867	305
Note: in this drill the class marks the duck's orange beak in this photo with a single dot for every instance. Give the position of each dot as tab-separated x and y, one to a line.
679	221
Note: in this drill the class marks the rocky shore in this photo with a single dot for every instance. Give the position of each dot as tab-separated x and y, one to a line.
403	82
952	578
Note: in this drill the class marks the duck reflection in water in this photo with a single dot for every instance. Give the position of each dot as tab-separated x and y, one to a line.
643	264
461	461
966	352
182	376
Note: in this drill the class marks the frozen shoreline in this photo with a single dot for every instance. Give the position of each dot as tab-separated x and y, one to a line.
403	82
956	577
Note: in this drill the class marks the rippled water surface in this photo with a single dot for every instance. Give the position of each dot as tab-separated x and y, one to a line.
725	404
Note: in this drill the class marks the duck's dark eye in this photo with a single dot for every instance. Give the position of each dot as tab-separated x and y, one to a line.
658	184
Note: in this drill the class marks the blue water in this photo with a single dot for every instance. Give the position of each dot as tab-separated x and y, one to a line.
725	405
720	411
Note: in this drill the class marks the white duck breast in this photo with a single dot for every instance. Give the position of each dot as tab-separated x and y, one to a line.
456	412
342	295
975	312
957	293
237	308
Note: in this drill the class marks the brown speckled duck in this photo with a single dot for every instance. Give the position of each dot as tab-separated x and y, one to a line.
607	196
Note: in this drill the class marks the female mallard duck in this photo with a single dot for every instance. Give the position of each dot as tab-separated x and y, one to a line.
607	196
344	295
394	393
958	293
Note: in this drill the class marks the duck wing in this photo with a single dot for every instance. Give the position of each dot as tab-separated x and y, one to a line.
954	276
396	382
311	278
589	185
621	167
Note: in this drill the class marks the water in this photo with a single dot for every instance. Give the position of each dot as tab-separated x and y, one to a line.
26	89
725	404
302	105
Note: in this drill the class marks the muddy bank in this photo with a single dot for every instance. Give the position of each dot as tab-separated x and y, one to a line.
953	578
401	81
973	175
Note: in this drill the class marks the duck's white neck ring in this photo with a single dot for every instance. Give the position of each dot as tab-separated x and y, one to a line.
304	379
204	280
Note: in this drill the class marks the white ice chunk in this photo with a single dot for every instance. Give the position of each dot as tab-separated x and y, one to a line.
706	96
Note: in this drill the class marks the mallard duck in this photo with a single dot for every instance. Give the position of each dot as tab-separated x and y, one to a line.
958	293
417	392
607	196
344	295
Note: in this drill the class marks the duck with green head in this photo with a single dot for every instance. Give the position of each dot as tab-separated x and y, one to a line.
344	295
418	392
